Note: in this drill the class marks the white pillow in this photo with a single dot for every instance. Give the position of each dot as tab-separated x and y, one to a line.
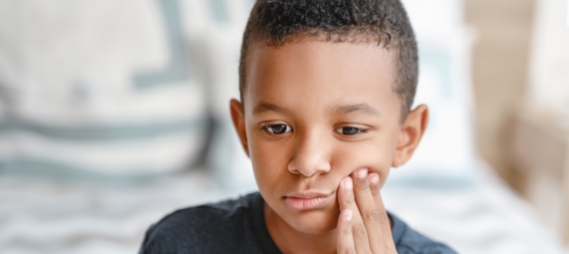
446	155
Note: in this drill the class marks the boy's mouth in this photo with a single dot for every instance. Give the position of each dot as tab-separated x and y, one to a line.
308	200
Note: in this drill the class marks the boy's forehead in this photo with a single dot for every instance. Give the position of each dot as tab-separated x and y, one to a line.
307	49
353	72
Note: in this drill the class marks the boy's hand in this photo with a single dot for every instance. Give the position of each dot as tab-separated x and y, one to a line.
363	225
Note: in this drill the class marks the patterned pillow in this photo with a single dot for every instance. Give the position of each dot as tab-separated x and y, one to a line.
99	87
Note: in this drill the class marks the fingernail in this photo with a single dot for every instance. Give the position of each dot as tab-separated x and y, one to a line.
362	173
374	178
348	183
348	214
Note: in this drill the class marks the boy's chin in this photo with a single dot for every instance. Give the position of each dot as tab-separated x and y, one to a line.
314	222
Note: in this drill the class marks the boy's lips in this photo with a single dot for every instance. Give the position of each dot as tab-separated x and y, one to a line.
308	200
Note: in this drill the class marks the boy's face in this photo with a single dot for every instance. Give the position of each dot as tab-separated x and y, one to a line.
313	113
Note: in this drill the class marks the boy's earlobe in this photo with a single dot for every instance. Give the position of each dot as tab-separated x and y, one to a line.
238	118
412	131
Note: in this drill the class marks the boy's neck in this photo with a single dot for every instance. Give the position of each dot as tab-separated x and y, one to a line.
290	240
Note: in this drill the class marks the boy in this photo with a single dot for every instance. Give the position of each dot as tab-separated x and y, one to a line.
326	89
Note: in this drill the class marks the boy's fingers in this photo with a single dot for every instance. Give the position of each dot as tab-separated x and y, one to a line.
372	216
345	194
347	200
374	183
345	239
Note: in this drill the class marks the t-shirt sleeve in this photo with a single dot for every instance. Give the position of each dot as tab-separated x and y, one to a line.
165	236
146	243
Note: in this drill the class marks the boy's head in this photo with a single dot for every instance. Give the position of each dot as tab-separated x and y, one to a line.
326	89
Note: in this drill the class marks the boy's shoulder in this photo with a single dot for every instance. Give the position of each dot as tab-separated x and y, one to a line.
203	218
409	241
209	228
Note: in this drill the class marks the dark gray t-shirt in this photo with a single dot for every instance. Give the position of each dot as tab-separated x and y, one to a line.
238	226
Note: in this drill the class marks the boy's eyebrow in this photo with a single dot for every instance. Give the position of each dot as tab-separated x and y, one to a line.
362	107
265	106
344	109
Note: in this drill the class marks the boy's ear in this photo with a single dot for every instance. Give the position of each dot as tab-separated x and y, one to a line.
412	131
238	117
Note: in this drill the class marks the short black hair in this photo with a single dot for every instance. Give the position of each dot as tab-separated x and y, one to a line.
379	21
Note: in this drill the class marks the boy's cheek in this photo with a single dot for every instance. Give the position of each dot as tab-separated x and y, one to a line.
375	160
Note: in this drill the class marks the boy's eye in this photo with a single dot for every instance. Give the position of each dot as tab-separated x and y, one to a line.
278	129
349	130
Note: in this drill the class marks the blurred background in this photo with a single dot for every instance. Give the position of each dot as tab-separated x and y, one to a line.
115	113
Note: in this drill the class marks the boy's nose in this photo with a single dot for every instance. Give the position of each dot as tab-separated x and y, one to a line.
311	156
